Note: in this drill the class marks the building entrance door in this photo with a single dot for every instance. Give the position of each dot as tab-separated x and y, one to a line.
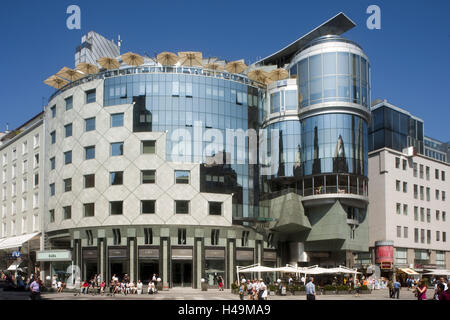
182	273
147	270
119	269
90	270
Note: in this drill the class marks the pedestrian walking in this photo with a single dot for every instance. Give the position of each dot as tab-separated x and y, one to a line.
421	290
102	287
357	287
310	290
250	290
390	286
242	290
35	289
220	283
397	289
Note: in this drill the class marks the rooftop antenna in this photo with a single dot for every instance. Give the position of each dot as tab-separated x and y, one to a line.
119	43
7	127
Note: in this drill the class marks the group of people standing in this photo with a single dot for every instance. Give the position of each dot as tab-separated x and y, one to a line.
256	289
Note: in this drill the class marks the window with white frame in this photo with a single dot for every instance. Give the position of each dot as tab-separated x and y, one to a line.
36	140
440	258
4	234
401	256
35	200
24	204
35	222
25	166
24	225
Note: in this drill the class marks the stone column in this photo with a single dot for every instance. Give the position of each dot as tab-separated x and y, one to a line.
198	259
259	251
132	253
101	250
165	257
231	258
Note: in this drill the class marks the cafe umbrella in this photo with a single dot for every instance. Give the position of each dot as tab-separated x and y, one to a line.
191	58
167	58
56	82
69	74
236	66
132	59
87	68
108	63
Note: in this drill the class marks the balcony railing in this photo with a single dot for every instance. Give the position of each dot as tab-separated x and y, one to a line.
157	69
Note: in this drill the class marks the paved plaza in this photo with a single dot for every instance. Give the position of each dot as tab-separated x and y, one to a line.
211	294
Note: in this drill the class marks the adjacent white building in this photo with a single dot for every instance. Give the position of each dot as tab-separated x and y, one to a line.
409	206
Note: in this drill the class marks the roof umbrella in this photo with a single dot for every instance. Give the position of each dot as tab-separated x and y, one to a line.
167	58
132	59
87	68
258	75
56	82
69	74
278	74
214	66
109	63
191	58
236	66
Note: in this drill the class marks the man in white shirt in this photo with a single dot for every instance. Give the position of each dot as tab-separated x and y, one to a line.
139	287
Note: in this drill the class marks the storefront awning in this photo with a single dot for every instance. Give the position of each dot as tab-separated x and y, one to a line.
408	271
16	242
439	272
15	267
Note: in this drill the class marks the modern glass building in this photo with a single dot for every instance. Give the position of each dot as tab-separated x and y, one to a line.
152	168
395	128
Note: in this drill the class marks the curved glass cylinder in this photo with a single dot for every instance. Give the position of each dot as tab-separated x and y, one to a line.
334	143
333	76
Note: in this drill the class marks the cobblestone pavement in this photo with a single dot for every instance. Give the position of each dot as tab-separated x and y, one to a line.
211	294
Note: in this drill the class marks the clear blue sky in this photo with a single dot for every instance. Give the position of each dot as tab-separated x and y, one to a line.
410	55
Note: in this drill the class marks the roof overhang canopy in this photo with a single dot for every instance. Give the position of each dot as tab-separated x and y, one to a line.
408	271
16	242
439	272
337	25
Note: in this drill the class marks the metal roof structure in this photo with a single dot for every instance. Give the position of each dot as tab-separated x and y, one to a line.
337	25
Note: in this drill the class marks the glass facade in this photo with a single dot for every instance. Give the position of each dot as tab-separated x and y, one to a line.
167	102
331	148
396	130
333	76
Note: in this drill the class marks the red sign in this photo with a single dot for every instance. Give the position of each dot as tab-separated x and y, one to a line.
386	265
384	254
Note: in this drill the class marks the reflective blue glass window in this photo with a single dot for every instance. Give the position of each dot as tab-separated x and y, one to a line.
117	149
68	157
89	152
89	124
291	99
275	102
69	103
342	63
117	120
90	96
53	137
68	130
329	63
